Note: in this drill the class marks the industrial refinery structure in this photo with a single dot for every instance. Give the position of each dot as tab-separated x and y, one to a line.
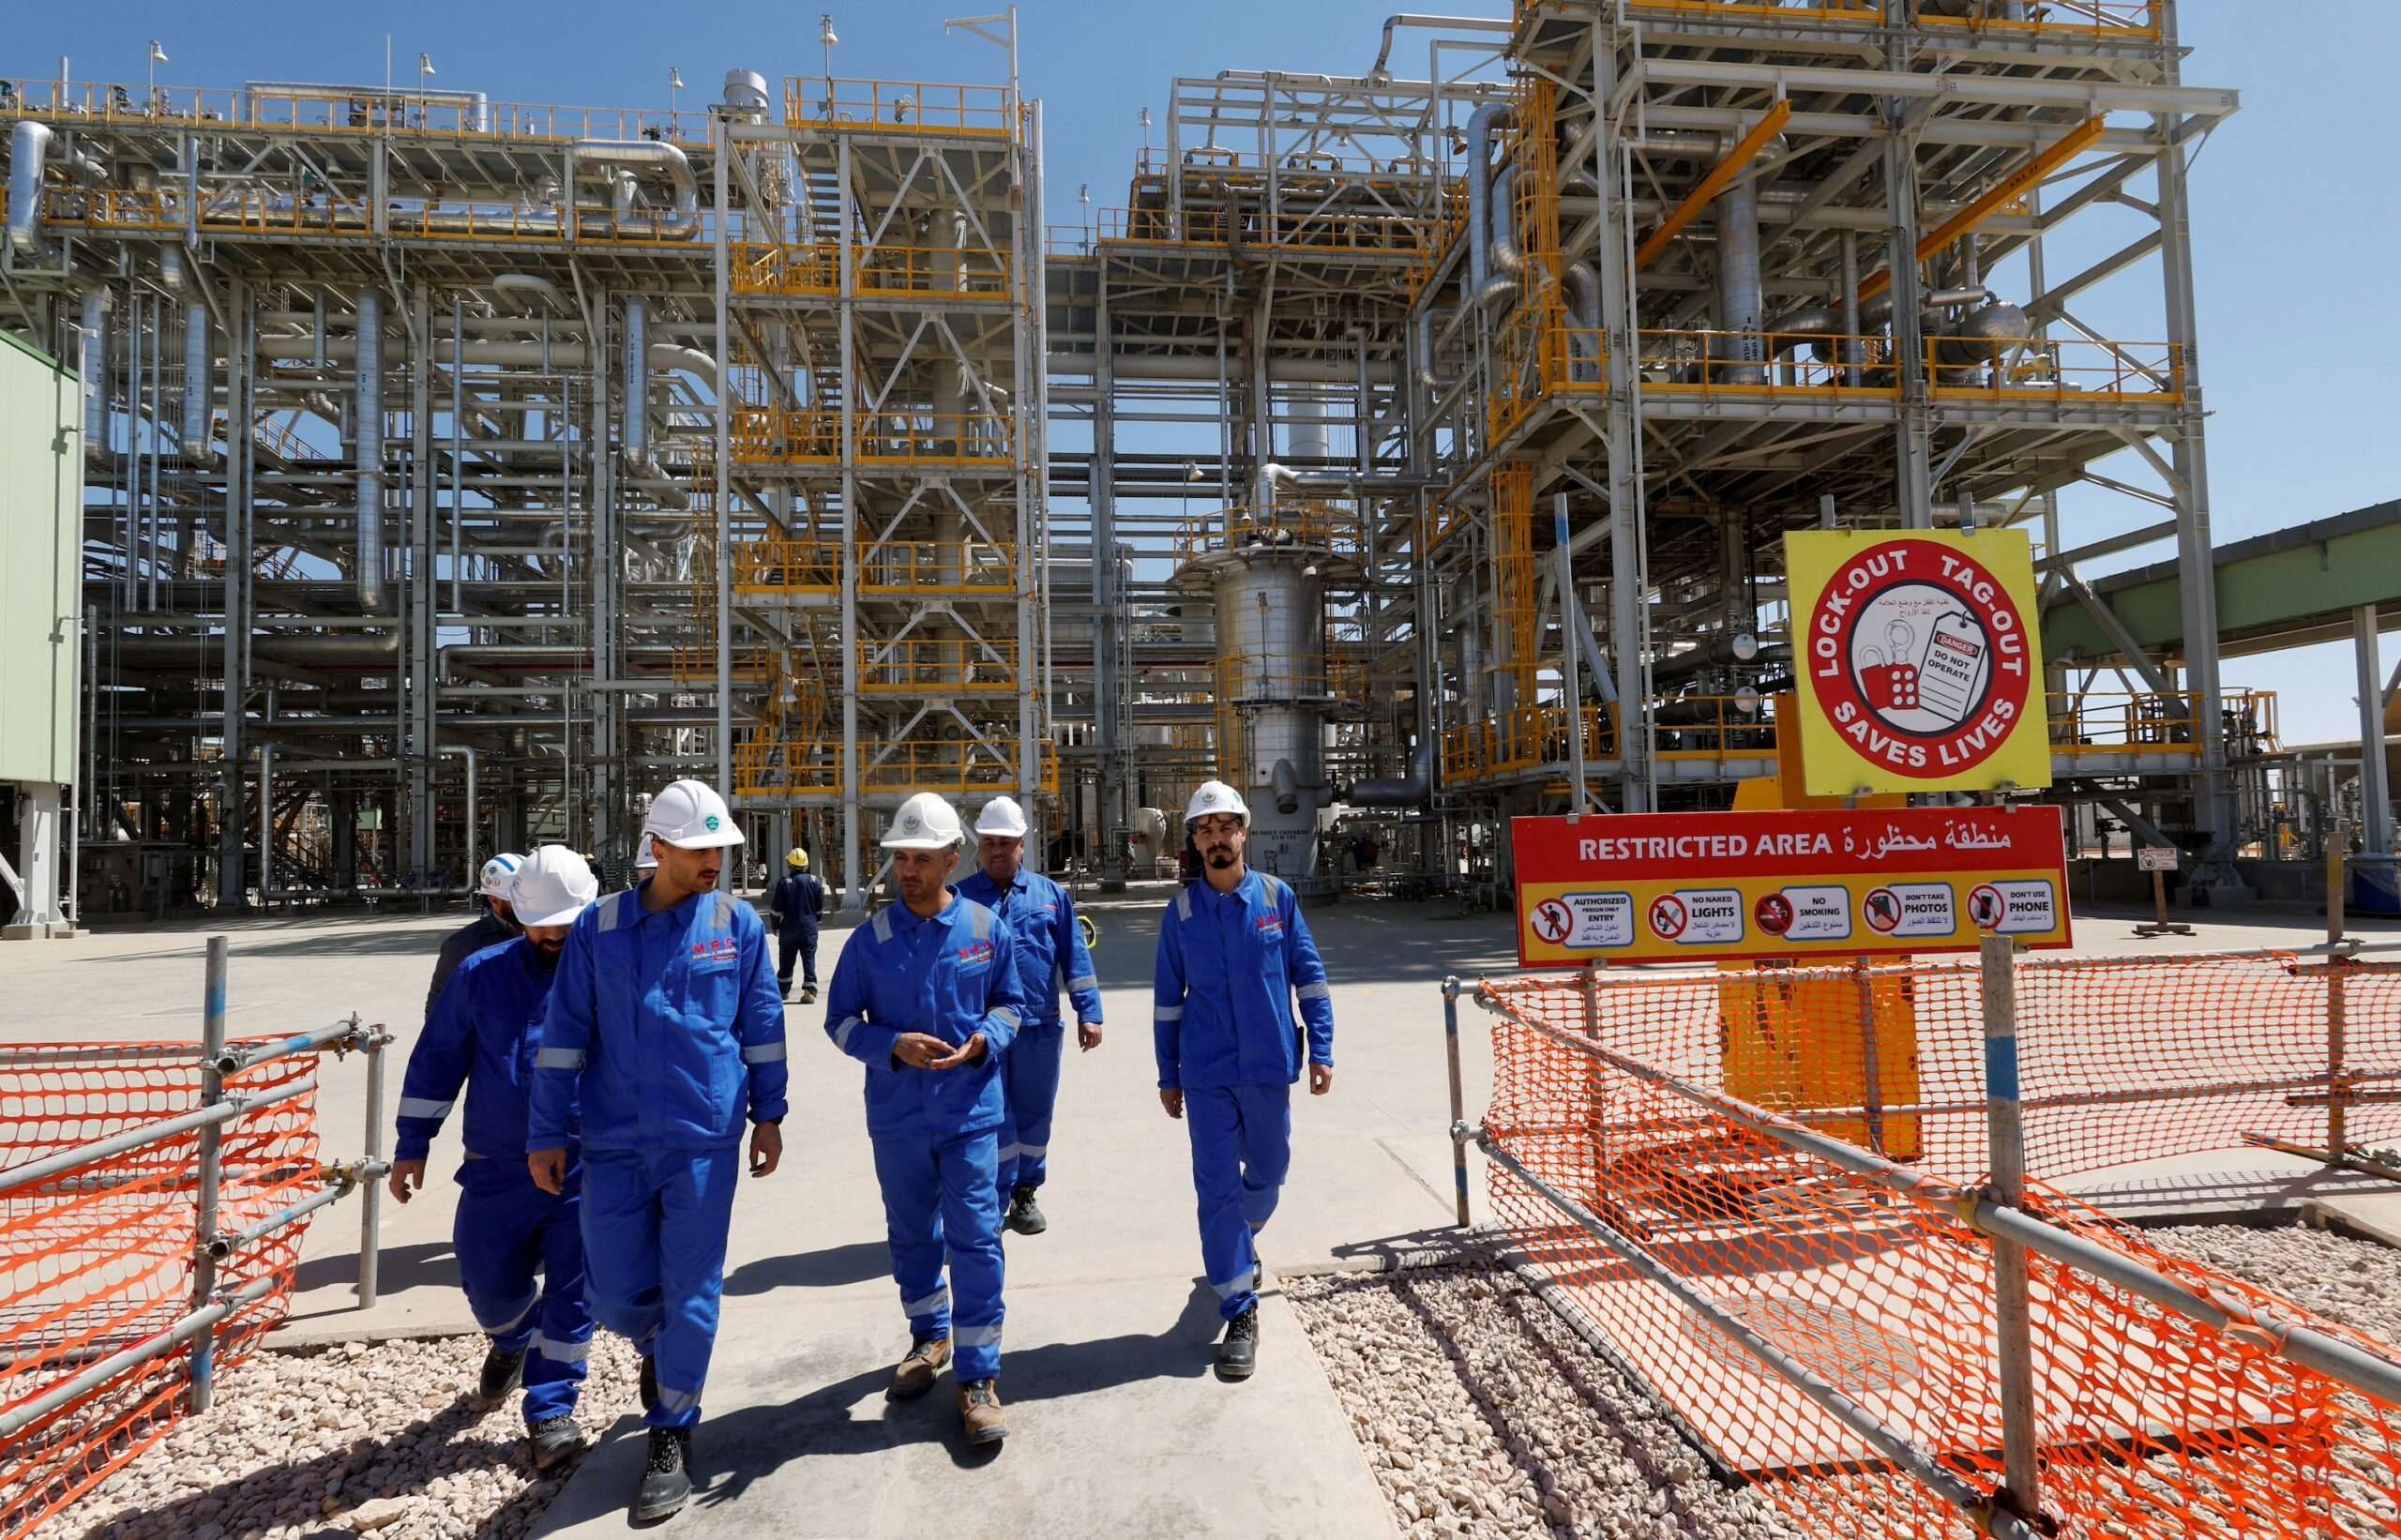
1407	445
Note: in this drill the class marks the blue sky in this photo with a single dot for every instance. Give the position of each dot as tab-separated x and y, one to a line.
2292	198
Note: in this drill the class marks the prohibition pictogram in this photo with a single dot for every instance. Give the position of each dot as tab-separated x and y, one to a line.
1552	920
1985	907
1884	907
1668	917
1774	913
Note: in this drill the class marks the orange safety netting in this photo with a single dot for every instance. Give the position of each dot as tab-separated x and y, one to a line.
100	1257
2148	1424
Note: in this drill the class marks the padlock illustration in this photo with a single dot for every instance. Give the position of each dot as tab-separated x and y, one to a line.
1891	686
1951	672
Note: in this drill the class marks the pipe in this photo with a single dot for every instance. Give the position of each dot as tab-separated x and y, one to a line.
171	269
541	288
640	155
1484	288
1397	790
1425	349
635	433
1584	347
28	152
1381	73
1507	254
467	753
368	564
200	391
1740	307
1284	782
476	118
93	329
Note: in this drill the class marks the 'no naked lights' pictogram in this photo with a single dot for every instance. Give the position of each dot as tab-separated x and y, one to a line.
1668	917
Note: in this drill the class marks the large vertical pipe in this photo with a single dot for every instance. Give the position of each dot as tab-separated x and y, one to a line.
635	405
2013	1310
94	349
369	442
1483	286
1743	349
200	390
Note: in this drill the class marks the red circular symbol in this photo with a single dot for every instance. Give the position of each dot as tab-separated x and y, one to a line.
1668	917
1917	654
1552	921
1774	913
1985	908
1883	907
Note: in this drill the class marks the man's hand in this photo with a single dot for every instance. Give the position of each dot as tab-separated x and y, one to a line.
548	1167
969	1052
1172	1097
407	1177
918	1050
1321	1079
1088	1036
767	1148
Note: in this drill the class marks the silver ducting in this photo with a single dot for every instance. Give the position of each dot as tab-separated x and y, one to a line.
200	388
1584	346
94	337
746	91
1284	784
1816	320
1507	254
1484	288
641	155
171	269
637	387
1397	790
356	103
368	563
1978	337
540	288
1742	351
28	153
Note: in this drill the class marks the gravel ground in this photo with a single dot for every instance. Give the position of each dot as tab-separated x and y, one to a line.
2352	1283
388	1439
1485	1416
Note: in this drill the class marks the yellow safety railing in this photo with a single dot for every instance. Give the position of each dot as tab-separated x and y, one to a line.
2111	18
779	435
813	767
693	664
1524	738
910	437
1765	363
343	109
814	102
1711	728
937	666
787	565
1323	230
1856	13
2108	724
937	567
893	271
2054	370
1304	527
253	213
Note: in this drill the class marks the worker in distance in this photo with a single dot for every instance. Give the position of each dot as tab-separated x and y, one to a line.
794	909
496	922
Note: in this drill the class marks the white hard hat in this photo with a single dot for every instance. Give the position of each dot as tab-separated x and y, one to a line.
553	887
691	816
498	873
1214	797
645	858
1001	815
923	823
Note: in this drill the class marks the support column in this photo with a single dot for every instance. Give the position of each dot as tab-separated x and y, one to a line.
1108	687
233	820
1629	544
2375	788
38	866
424	774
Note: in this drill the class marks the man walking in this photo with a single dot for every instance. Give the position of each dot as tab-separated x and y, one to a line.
494	922
795	906
1234	951
1049	947
481	1036
665	1029
926	996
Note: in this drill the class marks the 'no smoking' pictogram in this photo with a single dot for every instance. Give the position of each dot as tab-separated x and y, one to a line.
1552	921
1668	917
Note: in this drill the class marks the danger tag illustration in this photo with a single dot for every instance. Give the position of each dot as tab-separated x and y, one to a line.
1920	667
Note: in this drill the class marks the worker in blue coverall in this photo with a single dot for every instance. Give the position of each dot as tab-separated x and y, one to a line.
666	1027
926	996
796	905
1233	953
494	922
1049	947
482	1036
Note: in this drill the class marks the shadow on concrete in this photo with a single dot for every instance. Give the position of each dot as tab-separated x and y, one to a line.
428	1265
857	1262
1416	1248
756	1441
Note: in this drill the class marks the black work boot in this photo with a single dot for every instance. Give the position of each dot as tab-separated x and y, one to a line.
649	1382
554	1439
1238	1351
502	1371
665	1479
1025	1215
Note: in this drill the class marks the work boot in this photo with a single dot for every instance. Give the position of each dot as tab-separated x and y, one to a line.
1238	1352
808	994
1025	1215
979	1410
649	1382
502	1371
553	1440
928	1357
666	1478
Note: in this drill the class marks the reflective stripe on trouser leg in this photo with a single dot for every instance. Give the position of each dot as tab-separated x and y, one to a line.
695	1195
912	1188
555	1369
1212	1117
1266	1149
969	1168
1030	1088
496	1234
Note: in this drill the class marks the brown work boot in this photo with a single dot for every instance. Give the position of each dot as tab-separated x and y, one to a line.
928	1357
979	1409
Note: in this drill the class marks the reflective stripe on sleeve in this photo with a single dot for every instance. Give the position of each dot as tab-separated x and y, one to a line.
1316	992
1167	1013
842	1033
559	1058
1001	1013
425	1106
762	1053
883	924
980	921
1184	904
1087	981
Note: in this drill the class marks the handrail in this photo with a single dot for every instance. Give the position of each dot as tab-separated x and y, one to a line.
819	101
359	109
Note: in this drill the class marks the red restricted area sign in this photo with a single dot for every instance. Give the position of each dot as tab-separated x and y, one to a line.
1711	887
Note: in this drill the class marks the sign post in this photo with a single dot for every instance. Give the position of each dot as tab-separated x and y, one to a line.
2159	860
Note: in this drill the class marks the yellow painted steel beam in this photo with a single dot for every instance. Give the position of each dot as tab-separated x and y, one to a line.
1712	184
2007	191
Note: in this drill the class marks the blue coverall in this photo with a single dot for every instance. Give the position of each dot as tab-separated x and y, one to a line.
670	1030
936	1131
796	905
1049	947
1229	965
485	930
482	1034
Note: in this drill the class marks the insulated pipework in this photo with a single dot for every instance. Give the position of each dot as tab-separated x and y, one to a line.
200	403
370	452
